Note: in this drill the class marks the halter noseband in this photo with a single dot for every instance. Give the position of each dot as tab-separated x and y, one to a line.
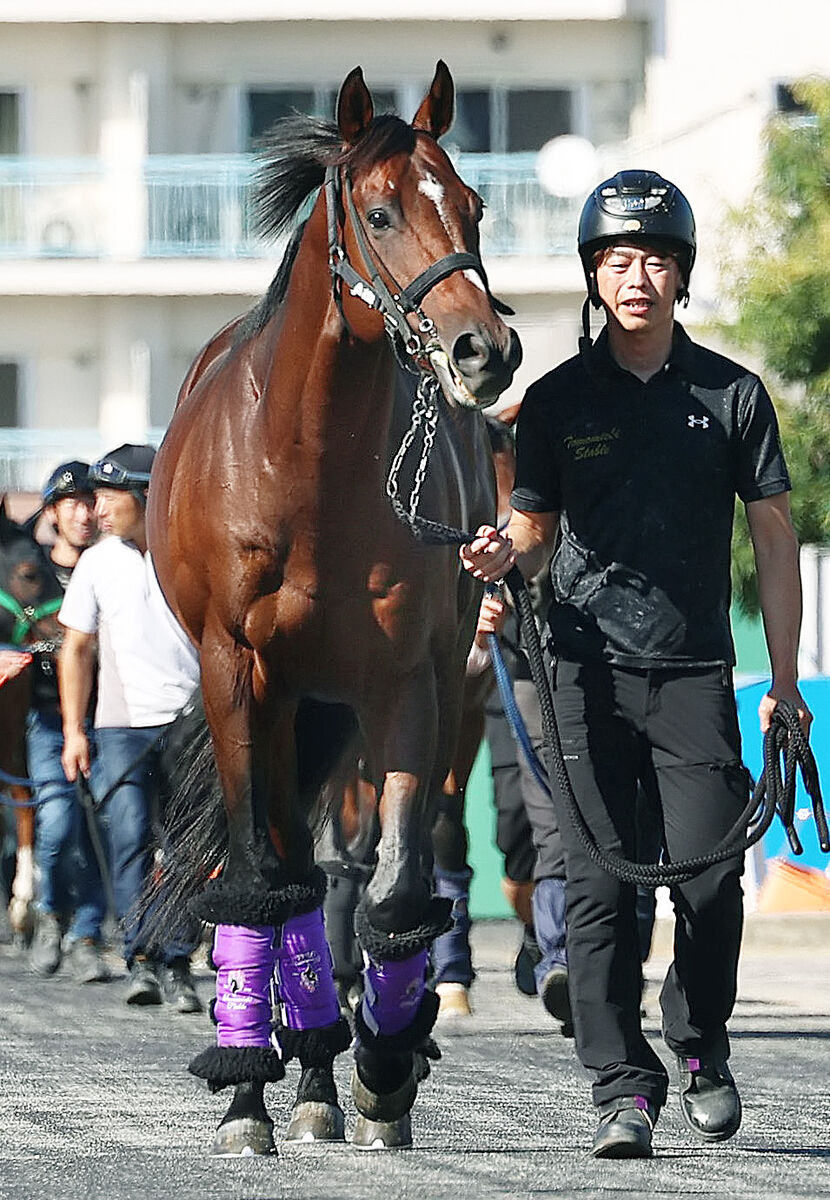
26	616
394	306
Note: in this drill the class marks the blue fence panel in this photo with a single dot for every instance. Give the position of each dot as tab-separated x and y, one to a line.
816	692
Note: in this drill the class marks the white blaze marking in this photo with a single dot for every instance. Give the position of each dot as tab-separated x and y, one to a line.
433	189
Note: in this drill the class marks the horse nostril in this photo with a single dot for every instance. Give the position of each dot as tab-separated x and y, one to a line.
471	353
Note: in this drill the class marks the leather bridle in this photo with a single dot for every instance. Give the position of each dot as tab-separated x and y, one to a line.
416	349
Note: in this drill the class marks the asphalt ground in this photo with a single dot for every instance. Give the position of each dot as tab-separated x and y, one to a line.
96	1104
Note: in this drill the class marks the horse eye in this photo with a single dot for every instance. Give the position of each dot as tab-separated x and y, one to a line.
377	218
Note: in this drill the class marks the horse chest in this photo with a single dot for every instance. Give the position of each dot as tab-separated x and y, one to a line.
346	615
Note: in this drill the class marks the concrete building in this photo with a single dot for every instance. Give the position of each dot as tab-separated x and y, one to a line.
125	138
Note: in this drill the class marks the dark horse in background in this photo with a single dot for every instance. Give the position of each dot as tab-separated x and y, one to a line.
316	610
30	596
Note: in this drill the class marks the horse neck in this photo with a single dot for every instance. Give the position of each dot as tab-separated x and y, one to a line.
334	385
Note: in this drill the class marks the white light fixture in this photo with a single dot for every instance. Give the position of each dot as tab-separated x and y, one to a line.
567	166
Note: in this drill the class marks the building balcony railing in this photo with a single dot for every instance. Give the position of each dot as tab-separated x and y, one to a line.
28	456
201	206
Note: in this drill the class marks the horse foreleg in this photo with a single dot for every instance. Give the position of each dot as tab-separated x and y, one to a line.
244	958
246	904
312	1027
21	902
396	922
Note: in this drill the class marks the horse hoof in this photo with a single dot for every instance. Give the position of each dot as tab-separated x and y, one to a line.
22	920
243	1137
382	1135
387	1107
315	1121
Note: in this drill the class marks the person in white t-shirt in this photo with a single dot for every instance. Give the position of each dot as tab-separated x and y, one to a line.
147	671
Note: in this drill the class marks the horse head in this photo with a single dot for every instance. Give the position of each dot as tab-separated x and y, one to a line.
26	581
411	228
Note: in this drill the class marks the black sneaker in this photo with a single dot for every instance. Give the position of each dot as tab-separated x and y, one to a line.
528	957
624	1130
556	998
46	952
178	986
87	961
144	986
709	1098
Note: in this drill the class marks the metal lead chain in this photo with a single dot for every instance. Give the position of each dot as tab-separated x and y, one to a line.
424	416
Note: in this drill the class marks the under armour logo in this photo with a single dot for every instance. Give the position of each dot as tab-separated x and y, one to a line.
692	420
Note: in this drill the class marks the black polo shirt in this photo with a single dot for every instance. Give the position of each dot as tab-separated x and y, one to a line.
645	476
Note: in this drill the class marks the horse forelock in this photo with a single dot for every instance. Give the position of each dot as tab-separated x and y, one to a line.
386	136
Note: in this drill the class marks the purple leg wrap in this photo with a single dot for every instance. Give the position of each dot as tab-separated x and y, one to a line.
244	957
392	993
305	974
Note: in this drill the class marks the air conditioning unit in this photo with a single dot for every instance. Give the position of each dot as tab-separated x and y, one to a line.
64	220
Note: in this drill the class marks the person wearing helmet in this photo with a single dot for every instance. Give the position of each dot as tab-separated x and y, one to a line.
629	459
147	671
71	905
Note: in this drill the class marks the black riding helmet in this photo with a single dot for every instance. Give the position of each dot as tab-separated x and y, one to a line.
69	479
637	206
127	469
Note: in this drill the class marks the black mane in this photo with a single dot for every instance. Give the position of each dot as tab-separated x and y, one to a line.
294	156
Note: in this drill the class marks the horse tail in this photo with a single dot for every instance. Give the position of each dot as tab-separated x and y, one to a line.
192	832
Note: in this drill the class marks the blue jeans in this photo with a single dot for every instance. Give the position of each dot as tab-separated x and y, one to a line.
70	879
126	818
549	926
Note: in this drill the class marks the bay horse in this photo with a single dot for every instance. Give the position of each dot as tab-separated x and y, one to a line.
30	596
316	610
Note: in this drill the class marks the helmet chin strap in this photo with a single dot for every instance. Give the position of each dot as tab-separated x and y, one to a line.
585	342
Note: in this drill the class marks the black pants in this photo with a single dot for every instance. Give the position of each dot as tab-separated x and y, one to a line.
678	730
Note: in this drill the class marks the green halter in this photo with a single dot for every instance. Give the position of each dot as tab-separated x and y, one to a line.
25	618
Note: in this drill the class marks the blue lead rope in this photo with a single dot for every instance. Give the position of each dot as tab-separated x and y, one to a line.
514	717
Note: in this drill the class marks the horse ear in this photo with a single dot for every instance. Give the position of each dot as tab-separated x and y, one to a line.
6	523
354	107
438	109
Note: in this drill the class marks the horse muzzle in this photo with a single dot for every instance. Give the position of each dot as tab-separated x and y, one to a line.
478	371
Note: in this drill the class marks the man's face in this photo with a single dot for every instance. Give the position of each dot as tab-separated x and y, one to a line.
119	512
74	519
638	286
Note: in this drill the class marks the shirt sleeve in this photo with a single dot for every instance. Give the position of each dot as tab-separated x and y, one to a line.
536	487
79	609
762	470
